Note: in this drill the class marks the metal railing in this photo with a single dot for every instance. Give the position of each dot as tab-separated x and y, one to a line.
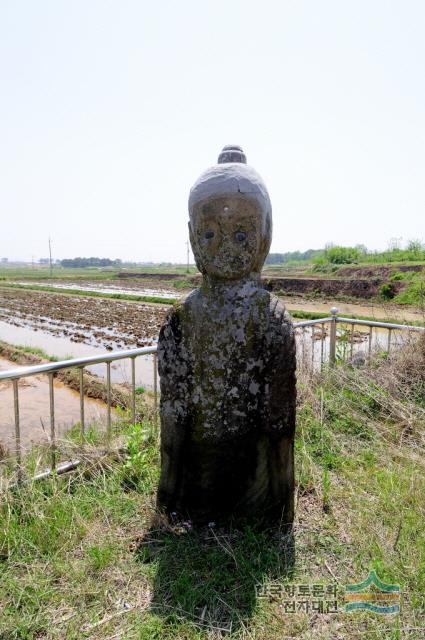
332	338
14	375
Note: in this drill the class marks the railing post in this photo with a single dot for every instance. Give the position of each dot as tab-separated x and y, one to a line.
52	422
108	399
82	422
369	351
312	347
332	342
155	385
133	390
352	341
18	451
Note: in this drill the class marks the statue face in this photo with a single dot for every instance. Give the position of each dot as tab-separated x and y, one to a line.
226	237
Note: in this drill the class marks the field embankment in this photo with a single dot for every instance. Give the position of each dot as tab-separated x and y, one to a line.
325	287
404	284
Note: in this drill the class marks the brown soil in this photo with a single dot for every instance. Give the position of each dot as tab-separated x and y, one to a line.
114	324
330	287
381	271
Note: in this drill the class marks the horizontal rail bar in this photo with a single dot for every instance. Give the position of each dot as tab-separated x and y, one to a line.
60	470
51	367
383	325
63	468
310	323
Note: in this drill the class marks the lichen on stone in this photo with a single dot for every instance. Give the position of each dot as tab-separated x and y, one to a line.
226	359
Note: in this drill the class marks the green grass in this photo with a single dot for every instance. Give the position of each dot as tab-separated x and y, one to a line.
90	294
27	349
91	273
85	556
414	294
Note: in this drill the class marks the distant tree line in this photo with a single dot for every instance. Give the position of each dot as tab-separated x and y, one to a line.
334	254
414	252
79	263
290	256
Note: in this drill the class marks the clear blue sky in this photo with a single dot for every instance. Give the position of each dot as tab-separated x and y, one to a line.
110	110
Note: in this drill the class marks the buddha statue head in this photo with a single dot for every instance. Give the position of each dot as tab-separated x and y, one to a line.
230	219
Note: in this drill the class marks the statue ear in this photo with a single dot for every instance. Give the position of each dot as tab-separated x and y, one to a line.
195	248
191	237
266	241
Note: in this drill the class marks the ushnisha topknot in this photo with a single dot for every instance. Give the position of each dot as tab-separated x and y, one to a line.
229	177
231	153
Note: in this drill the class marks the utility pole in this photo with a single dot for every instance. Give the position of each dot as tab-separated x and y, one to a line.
50	257
187	247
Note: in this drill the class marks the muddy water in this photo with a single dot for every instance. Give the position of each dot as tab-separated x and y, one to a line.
34	409
63	348
73	326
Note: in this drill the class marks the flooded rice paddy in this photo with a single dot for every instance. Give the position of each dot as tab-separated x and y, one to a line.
70	326
76	326
131	288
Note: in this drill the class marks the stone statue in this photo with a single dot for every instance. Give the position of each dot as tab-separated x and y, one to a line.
226	358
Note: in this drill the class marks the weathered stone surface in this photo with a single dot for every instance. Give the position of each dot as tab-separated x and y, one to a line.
227	364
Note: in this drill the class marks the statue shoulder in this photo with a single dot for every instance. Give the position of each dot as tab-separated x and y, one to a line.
278	309
190	305
191	299
178	314
279	315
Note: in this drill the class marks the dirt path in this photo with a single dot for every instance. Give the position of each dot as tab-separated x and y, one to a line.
384	312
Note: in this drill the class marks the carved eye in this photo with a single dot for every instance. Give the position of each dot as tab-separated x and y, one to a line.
209	235
240	236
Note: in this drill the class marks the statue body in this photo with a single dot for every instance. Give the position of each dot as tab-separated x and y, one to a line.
227	367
